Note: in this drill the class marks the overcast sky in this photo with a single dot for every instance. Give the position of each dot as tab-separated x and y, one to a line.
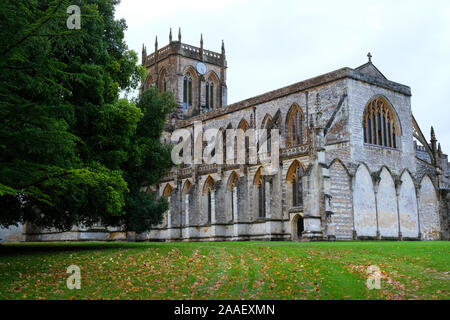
271	44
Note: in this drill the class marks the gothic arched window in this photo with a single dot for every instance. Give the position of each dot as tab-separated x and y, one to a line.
295	126
187	91
261	200
260	182
148	82
167	191
209	205
266	125
208	191
295	179
380	127
243	125
162	80
185	195
297	196
210	95
225	155
167	194
207	95
233	194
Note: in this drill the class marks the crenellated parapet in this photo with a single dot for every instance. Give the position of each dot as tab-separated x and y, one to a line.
185	50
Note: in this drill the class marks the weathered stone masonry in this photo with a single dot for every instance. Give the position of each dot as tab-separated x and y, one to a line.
350	189
340	175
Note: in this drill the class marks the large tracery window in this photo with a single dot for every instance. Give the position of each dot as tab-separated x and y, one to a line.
295	125
379	125
187	91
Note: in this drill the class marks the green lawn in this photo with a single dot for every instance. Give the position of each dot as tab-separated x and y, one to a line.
243	270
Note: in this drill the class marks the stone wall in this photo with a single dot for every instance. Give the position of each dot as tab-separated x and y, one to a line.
429	210
364	204
12	234
341	224
407	206
388	225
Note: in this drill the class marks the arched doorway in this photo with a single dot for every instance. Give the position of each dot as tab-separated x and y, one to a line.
298	227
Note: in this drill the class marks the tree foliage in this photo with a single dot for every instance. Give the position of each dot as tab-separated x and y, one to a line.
149	160
71	151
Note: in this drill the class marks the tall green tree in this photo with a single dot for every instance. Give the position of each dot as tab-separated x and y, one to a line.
148	161
66	140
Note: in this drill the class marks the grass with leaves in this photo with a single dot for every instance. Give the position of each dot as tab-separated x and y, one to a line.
226	270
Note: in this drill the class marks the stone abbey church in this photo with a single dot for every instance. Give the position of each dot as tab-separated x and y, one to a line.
353	162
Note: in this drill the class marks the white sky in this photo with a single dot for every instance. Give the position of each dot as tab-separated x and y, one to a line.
271	44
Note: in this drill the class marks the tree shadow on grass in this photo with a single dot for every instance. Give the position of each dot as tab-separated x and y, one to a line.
58	247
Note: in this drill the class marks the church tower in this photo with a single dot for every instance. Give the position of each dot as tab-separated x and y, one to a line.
197	77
